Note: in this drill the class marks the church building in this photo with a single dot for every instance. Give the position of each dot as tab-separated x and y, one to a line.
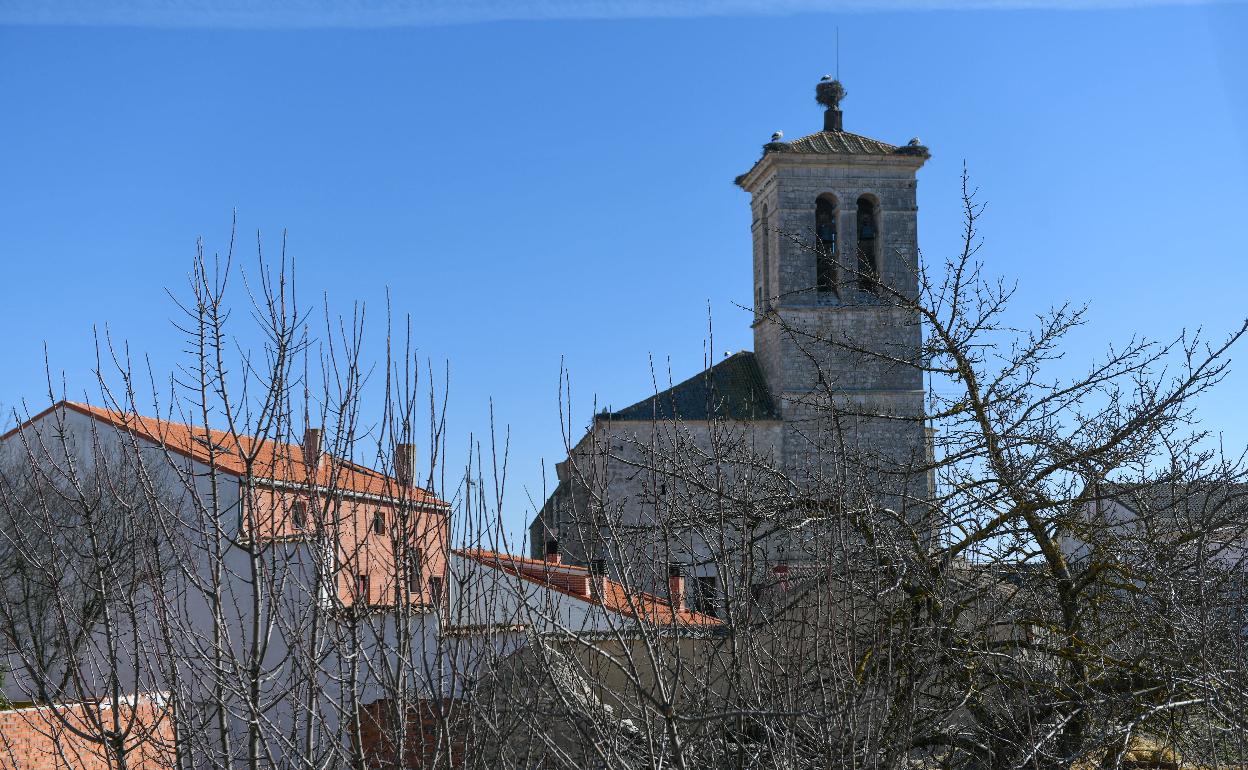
825	417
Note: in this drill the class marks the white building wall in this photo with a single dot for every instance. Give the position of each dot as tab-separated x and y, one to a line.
222	612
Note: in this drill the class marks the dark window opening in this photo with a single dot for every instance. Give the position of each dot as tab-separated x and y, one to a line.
379	522
415	571
825	244
361	588
299	514
868	273
708	594
435	590
766	260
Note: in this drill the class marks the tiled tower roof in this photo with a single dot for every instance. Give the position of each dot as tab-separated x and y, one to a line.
835	143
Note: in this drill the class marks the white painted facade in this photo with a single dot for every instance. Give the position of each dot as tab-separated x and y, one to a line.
222	611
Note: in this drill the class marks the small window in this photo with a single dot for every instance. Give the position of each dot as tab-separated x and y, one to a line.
435	590
825	244
708	594
415	571
299	514
766	259
379	522
361	588
868	271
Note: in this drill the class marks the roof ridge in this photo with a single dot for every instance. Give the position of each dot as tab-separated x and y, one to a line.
275	457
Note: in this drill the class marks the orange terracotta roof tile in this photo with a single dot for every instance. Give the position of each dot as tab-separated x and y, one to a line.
246	456
573	580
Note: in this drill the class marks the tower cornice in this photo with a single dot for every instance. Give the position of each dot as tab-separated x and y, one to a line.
905	163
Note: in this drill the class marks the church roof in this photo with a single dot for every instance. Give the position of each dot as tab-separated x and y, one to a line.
733	389
839	143
834	139
835	143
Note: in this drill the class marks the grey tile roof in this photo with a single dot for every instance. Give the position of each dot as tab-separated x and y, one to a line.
1184	504
835	143
839	143
733	389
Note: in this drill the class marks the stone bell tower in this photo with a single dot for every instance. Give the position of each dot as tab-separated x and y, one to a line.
835	264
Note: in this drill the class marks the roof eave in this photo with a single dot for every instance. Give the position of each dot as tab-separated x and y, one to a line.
440	506
435	504
902	156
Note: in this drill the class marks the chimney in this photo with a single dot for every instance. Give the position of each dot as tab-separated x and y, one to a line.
676	585
579	584
312	438
832	120
552	551
597	576
405	464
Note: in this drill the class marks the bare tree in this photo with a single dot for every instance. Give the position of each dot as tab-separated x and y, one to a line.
1054	581
1069	591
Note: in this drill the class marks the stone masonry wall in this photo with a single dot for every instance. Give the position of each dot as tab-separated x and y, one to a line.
846	342
639	491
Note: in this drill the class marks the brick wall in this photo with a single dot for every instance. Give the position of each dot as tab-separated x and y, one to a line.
56	737
434	734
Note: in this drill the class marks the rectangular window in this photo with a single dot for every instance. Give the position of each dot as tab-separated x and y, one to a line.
766	266
708	594
361	588
379	523
299	514
415	571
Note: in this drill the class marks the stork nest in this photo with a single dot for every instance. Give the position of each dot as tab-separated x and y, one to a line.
829	93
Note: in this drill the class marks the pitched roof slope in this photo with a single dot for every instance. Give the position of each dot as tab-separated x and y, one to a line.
1183	503
272	460
733	389
573	581
838	143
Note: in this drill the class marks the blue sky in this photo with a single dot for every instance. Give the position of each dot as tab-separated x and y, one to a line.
559	189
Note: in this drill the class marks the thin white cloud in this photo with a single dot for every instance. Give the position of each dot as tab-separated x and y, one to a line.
414	13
